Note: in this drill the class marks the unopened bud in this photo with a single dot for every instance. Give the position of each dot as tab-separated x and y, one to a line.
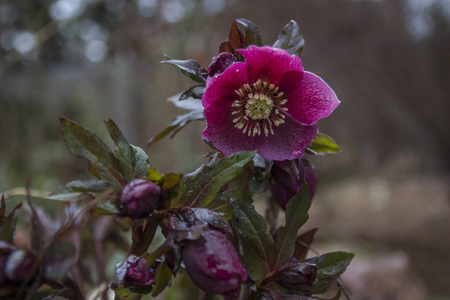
139	274
220	63
140	197
294	274
213	264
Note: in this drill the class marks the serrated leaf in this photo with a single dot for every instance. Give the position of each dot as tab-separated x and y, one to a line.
198	189
133	160
252	33
163	277
142	165
331	264
124	151
296	215
85	144
177	124
257	244
188	67
324	144
8	223
290	39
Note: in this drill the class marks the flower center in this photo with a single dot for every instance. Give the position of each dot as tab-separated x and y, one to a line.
258	108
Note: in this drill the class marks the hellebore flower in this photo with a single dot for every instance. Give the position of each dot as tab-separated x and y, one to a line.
140	197
213	264
267	103
289	177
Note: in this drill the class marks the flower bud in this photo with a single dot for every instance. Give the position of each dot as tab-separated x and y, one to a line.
289	177
139	274
295	274
140	197
19	266
134	272
213	264
220	63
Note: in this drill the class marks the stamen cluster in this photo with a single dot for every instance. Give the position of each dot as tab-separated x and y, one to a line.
258	108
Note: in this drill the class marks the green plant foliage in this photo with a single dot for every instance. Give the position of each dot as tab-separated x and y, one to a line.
296	216
188	67
257	244
198	189
8	223
291	39
323	144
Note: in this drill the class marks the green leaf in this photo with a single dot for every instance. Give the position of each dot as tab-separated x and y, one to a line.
296	215
331	264
124	151
252	33
222	202
8	223
84	144
142	165
155	176
323	144
198	189
177	124
74	189
257	244
133	160
122	293
163	277
290	39
189	67
193	93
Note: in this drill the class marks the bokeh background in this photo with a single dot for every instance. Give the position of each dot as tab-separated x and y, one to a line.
386	197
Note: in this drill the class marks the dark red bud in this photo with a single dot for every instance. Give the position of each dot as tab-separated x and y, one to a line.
220	63
140	197
138	273
294	274
213	264
19	266
289	177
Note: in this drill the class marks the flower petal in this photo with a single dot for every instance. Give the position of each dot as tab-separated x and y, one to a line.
269	64
288	141
311	101
220	89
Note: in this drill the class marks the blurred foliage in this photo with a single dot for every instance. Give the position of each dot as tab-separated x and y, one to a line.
87	60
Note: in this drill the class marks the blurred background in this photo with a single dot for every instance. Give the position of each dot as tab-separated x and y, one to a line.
385	197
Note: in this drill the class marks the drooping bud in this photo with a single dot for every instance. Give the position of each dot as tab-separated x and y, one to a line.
140	197
19	266
295	274
289	177
213	264
220	63
138	274
134	272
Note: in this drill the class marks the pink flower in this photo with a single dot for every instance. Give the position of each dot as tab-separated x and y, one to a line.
267	103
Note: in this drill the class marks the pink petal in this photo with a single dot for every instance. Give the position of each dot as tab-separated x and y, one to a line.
311	101
220	89
288	142
269	64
